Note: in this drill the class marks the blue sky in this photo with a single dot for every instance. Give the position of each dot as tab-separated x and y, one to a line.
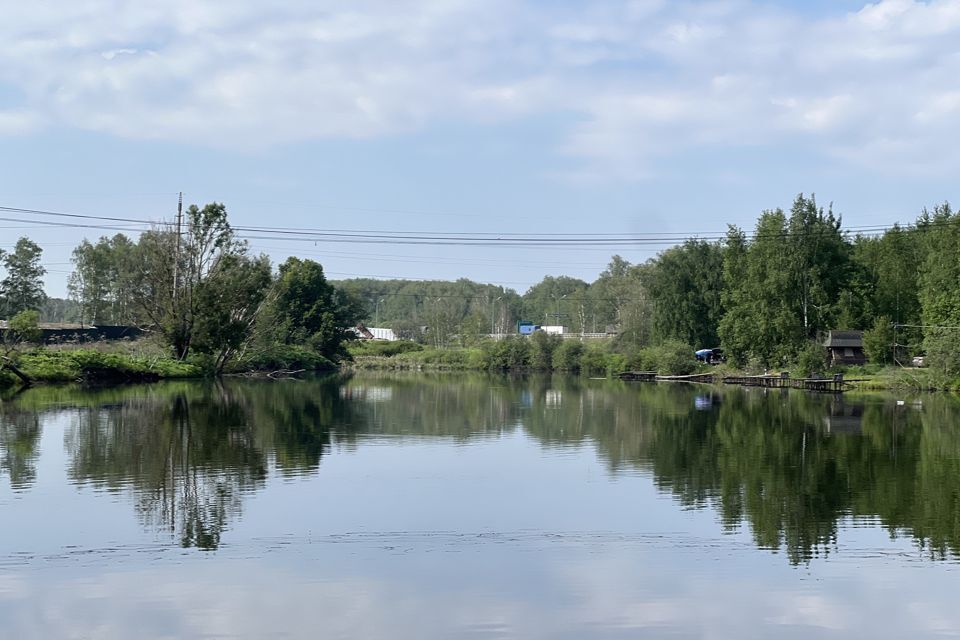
641	116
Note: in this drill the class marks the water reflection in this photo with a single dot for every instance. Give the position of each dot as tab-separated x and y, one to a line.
791	467
19	447
187	457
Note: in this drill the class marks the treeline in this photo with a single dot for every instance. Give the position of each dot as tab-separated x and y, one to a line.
200	289
767	297
444	313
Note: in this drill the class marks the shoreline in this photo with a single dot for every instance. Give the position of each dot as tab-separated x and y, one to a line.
96	368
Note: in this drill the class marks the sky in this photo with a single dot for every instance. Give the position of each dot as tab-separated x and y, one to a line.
456	116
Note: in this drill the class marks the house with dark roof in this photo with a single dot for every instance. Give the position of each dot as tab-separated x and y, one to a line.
845	347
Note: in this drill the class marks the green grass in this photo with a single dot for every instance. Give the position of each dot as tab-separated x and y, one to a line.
42	365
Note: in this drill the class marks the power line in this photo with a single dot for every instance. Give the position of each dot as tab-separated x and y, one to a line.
450	238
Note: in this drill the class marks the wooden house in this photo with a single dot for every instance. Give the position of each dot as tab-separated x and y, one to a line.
845	347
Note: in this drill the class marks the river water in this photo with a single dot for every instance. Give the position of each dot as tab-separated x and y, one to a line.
471	506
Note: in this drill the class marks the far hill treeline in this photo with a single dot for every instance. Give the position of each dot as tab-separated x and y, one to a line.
765	296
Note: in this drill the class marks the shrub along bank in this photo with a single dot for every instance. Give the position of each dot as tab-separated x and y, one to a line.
540	352
42	365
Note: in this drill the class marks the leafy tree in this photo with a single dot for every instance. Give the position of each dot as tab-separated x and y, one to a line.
567	356
385	303
173	272
812	359
940	288
24	327
783	287
103	279
759	319
306	309
230	301
820	258
542	348
547	301
878	341
60	310
686	283
22	288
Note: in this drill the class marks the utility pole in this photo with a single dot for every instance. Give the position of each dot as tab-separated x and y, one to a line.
895	360
176	255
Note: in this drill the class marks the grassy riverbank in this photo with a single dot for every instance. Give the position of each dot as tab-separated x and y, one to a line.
599	358
143	361
541	353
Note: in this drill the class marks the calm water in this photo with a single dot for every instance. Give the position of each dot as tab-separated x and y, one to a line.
476	507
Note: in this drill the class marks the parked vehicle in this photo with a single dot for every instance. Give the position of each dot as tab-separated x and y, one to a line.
711	356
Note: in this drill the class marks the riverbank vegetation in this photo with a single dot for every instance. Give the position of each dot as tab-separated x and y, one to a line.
211	305
767	297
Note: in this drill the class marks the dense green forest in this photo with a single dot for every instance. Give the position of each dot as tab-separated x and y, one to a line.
766	295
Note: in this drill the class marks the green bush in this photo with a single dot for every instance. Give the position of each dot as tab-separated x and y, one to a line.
513	352
541	348
943	352
568	355
24	327
878	341
812	359
672	357
381	348
49	366
62	366
440	359
283	356
599	359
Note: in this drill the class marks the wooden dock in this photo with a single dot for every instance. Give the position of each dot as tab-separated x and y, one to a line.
651	376
703	378
834	384
638	376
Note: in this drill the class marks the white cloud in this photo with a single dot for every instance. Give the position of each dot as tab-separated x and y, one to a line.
18	123
648	79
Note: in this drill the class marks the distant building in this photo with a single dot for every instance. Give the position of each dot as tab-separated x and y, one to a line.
845	347
373	333
383	334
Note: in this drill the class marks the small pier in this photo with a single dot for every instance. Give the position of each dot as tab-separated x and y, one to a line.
702	378
834	384
651	376
638	376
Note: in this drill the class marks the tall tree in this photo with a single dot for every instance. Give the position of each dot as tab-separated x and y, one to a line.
685	284
784	286
22	288
89	284
760	319
103	279
820	261
940	288
305	309
173	272
548	301
230	301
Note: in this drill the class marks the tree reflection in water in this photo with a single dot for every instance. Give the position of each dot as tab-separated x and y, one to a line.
19	447
790	466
